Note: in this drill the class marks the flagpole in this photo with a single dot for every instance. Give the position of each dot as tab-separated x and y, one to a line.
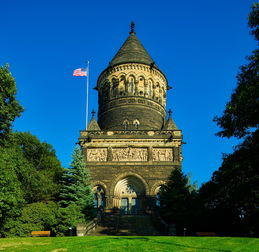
87	84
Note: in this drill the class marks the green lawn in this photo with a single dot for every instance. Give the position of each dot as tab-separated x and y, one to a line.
130	243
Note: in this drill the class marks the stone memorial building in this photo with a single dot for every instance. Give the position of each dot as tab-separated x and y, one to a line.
133	147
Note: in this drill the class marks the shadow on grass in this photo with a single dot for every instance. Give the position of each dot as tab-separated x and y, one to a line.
170	243
130	238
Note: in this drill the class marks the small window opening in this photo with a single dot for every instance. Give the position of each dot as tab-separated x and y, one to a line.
136	124
126	124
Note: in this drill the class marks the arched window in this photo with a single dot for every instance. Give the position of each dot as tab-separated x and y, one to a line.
99	197
131	84
126	124
149	91
158	196
122	85
158	199
136	124
114	85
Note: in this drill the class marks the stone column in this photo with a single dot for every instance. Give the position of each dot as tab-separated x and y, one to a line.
150	156
109	154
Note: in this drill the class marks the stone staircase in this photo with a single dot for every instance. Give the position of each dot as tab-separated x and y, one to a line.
123	225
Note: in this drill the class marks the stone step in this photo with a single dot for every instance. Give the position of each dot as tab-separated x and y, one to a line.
126	225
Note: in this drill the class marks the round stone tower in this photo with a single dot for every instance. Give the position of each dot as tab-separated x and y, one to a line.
132	90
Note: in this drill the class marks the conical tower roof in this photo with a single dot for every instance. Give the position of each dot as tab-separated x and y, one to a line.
132	51
170	124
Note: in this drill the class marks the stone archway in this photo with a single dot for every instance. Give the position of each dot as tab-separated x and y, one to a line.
129	195
155	192
99	197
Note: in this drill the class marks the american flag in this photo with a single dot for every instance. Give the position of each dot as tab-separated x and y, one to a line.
80	72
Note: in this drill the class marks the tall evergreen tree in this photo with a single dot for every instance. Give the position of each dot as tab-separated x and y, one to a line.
76	185
177	197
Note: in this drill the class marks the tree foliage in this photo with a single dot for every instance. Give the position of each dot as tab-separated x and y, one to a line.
9	106
76	185
177	198
39	171
11	194
241	114
232	196
68	217
30	172
253	20
34	216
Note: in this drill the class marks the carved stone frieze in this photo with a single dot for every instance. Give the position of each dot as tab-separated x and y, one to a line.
97	154
162	154
129	132
129	154
134	100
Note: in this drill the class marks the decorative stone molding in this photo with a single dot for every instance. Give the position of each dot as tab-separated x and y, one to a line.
155	188
162	154
131	132
128	174
96	154
129	67
100	183
129	154
177	133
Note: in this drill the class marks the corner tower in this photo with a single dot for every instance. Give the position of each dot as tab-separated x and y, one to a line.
132	90
132	148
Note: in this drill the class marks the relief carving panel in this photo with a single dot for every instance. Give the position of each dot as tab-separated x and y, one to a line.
97	154
129	154
162	154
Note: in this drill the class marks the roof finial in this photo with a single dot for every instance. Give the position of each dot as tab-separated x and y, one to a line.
93	113
170	113
132	28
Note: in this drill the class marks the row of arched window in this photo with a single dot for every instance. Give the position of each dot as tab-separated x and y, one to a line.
135	124
147	88
100	199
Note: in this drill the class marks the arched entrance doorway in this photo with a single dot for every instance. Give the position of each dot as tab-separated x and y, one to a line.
129	195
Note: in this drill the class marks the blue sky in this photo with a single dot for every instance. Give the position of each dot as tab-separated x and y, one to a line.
199	45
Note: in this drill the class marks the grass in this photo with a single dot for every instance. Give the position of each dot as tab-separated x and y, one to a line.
130	243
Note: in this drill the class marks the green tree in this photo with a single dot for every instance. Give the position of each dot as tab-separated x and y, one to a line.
253	20
30	172
241	114
39	170
232	193
76	185
177	200
11	194
9	106
35	216
68	217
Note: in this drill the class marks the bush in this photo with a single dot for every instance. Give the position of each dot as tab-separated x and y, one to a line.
68	217
34	217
